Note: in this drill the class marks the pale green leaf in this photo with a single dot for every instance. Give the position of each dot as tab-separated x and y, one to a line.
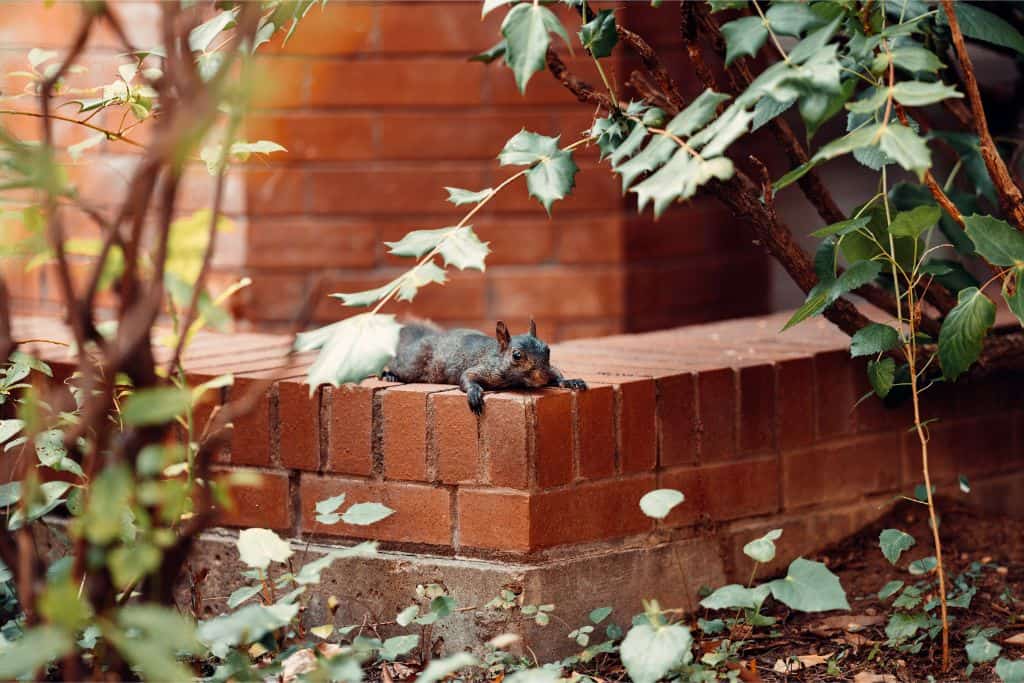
920	94
37	647
350	350
763	549
981	24
552	178
650	652
155	406
526	29
735	596
330	504
599	35
440	669
882	375
914	222
458	196
526	148
395	647
963	331
1015	300
793	18
363	514
244	626
242	594
257	548
410	283
659	503
809	587
893	543
743	37
890	589
923	566
489	5
37	56
9	428
203	35
1010	671
463	249
906	148
980	649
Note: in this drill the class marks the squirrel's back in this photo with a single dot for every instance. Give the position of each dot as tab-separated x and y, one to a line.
426	353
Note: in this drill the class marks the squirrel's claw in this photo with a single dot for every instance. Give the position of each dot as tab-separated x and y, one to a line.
475	398
574	384
388	376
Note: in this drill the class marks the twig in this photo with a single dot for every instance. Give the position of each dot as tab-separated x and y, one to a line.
1010	198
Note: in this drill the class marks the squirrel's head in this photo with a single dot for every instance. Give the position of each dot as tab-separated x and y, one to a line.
526	358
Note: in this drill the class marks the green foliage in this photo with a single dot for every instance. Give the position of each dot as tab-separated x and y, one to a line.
809	587
893	542
763	549
651	650
658	503
882	375
35	648
599	35
1010	671
995	240
873	339
526	28
963	332
552	172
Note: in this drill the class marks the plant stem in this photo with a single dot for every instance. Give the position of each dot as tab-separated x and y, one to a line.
111	134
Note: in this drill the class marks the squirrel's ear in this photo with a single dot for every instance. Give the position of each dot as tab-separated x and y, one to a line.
533	327
501	332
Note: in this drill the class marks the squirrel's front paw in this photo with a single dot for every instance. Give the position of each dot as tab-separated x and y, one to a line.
388	376
574	384
475	397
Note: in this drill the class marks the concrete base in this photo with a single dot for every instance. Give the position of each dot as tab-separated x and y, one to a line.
374	590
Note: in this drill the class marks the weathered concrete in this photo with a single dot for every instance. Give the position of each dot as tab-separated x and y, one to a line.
374	590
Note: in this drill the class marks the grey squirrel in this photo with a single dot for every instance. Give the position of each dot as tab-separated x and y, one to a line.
475	361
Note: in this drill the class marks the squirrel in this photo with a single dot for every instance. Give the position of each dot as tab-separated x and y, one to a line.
474	361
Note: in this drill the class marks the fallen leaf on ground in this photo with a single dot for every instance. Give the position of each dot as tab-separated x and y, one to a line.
802	662
856	640
849	623
1016	639
872	677
298	663
747	674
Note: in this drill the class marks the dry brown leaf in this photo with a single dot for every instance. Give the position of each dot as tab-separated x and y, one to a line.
856	640
872	677
747	674
802	662
1016	639
849	623
298	663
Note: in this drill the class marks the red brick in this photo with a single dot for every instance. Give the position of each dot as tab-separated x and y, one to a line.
841	471
504	430
588	329
973	447
553	438
456	452
314	136
542	292
311	243
274	296
598	240
638	426
723	491
299	420
576	516
391	190
677	420
516	240
596	189
479	509
250	435
328	29
717	414
266	504
456	135
275	191
395	82
795	402
757	408
434	27
350	442
595	410
405	430
835	393
422	512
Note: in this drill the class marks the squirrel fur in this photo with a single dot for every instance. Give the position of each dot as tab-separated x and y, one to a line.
475	361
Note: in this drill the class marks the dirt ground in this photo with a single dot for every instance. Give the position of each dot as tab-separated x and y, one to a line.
967	536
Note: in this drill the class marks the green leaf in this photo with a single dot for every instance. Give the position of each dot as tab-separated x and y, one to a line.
995	240
491	5
458	196
395	647
767	108
463	249
919	94
842	227
330	504
526	29
763	549
50	496
912	59
814	46
242	594
963	331
902	625
440	669
366	297
628	146
893	542
981	24
650	652
526	148
10	493
9	428
697	114
735	596
108	502
420	276
862	137
37	56
599	35
809	587
155	406
350	350
980	649
362	514
793	18
492	53
130	564
257	548
37	647
890	589
906	148
658	503
923	566
1010	671
826	292
914	222
882	375
679	179
599	614
552	179
1015	300
246	625
743	37
872	339
201	36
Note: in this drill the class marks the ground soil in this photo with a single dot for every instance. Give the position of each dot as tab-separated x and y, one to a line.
967	536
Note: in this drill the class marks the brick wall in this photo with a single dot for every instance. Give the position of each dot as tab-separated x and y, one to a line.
756	429
379	109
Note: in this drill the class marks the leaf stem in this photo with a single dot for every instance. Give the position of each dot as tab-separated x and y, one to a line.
771	33
111	134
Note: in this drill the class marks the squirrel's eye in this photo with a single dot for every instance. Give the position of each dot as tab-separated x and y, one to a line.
517	354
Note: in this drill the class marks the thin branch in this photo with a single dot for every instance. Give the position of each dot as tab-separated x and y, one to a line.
1010	198
584	91
653	64
111	134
